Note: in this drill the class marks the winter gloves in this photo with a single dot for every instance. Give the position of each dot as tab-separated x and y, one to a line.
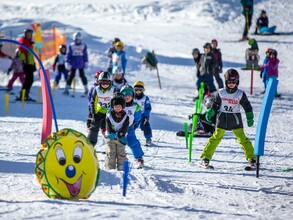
8	71
209	114
249	118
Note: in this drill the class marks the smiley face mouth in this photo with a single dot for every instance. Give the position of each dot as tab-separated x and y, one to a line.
74	188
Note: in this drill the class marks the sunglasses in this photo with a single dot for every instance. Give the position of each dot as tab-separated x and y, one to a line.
138	90
105	82
231	82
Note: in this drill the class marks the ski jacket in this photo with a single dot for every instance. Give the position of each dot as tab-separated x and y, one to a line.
247	4
218	58
134	112
262	22
77	55
117	122
207	63
60	60
25	56
272	67
228	107
197	64
119	59
90	93
100	101
145	105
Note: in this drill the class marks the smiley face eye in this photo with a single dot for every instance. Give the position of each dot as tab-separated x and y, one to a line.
60	156
77	154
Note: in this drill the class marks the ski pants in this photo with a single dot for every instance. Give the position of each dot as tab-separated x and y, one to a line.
29	78
95	127
208	80
81	75
217	136
247	24
59	74
115	155
134	143
218	79
14	77
146	127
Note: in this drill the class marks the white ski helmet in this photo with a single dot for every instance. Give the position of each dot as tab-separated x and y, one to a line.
77	36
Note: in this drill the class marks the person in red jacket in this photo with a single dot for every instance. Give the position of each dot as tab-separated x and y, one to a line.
28	63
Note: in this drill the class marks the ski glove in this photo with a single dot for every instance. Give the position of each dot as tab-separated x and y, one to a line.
260	75
209	114
146	121
249	118
111	136
123	140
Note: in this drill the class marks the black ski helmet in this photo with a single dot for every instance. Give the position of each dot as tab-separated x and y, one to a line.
105	76
231	75
207	45
195	51
127	90
61	47
118	99
27	30
273	51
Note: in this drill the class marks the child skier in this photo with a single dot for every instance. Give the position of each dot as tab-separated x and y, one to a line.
206	70
89	96
146	108
134	113
204	127
60	62
100	103
117	122
218	66
118	78
77	58
262	24
118	57
227	103
17	68
272	67
110	53
264	71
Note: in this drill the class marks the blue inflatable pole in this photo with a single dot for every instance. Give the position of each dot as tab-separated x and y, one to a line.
263	119
43	70
125	176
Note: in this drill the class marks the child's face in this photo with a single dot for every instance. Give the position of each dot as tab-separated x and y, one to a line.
63	50
117	108
207	50
195	55
214	45
118	48
231	84
272	56
128	98
105	84
118	76
138	91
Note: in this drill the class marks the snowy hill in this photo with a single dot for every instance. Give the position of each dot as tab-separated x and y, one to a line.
169	187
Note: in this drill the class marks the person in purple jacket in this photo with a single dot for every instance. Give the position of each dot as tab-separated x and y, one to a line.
77	58
272	67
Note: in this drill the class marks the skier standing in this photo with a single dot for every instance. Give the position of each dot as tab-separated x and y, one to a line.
218	67
117	123
77	58
134	113
100	103
146	108
60	62
227	103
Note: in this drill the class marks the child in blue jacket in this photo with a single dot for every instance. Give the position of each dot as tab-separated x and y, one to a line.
145	105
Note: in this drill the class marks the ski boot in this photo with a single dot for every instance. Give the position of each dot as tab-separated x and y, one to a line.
148	142
139	163
251	165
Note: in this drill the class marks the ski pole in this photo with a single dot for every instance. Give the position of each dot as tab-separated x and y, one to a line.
185	125
6	103
125	176
251	75
22	98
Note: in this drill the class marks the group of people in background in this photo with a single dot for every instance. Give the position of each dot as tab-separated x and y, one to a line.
262	22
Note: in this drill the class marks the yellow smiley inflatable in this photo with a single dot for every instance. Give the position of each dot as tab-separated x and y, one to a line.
67	166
